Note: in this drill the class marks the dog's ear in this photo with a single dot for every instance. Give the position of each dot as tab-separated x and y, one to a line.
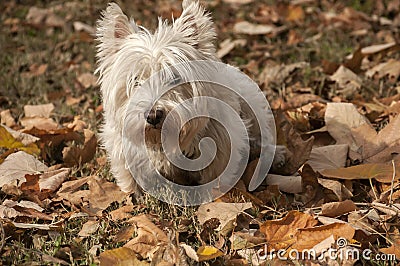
196	25
112	29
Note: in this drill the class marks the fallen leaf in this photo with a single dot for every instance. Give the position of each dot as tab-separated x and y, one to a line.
120	256
288	184
340	191
340	119
389	69
379	48
6	118
40	123
208	253
190	252
393	249
87	80
77	156
89	228
17	165
125	234
295	13
334	209
347	80
39	17
306	238
124	212
328	157
80	26
281	233
42	110
278	74
52	180
103	193
24	142
226	213
381	172
245	27
228	45
149	237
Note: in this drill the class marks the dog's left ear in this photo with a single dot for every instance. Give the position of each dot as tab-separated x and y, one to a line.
112	29
195	23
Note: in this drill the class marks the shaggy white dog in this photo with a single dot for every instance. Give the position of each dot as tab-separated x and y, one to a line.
128	55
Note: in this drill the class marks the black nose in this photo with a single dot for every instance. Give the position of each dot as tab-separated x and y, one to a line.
155	116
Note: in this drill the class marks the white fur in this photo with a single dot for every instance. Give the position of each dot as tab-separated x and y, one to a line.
128	55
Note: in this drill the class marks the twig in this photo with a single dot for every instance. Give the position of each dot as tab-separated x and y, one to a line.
392	185
2	236
373	190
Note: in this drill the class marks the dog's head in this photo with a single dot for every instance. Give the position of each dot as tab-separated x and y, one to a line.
129	54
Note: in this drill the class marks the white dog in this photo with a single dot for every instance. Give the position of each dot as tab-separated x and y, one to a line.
128	55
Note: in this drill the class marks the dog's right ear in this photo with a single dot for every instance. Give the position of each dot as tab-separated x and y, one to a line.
112	29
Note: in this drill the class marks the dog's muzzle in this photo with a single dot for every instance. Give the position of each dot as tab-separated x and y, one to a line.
155	116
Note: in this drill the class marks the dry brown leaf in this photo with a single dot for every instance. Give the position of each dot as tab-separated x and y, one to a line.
80	26
17	165
77	156
228	45
103	193
307	238
381	172
245	27
243	240
149	237
340	191
288	184
89	228
340	119
226	213
393	249
379	48
390	69
125	234
378	147
70	191
125	212
278	74
40	17
40	123
347	80
42	110
120	256
190	252
6	118
87	80
52	180
281	233
328	157
334	209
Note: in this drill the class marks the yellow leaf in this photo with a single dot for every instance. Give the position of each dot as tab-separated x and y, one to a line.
208	253
9	142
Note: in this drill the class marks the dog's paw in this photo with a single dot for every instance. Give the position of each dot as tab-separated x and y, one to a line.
280	158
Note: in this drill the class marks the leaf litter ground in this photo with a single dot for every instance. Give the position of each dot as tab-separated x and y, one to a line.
330	72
